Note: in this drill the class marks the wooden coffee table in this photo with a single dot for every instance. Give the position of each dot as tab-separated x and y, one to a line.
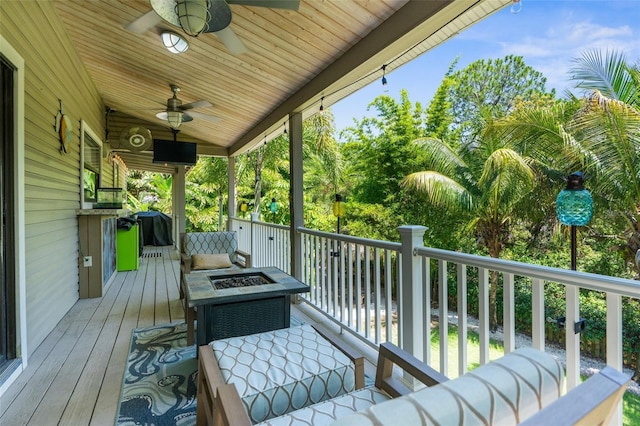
239	311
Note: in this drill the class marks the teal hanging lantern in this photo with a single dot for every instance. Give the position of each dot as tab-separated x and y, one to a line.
574	205
273	206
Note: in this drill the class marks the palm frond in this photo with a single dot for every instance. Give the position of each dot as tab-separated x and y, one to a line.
440	190
609	74
611	130
507	163
440	156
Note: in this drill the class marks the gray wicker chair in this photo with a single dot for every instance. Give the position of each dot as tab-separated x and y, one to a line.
192	243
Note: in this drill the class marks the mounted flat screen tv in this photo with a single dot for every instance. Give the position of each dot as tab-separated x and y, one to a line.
172	152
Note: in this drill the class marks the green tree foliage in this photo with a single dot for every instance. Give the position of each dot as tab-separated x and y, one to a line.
487	184
149	191
380	153
205	194
439	117
263	174
490	86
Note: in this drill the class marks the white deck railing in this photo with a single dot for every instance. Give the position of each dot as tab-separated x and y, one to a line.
268	243
357	281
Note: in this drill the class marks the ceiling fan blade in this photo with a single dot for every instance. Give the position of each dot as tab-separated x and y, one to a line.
231	41
197	104
201	116
274	4
144	22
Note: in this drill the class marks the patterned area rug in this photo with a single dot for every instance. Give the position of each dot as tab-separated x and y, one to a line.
160	383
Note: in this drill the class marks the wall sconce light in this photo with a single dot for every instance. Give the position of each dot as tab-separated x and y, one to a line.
174	43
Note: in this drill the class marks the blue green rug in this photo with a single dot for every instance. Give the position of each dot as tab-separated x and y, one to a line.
160	382
161	379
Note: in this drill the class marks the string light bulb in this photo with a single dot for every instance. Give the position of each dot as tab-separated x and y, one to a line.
322	105
516	6
384	76
285	127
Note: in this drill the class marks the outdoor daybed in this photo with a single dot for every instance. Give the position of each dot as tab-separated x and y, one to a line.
525	385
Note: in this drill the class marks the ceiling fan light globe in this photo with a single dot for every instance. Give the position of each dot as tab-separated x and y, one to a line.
174	43
174	118
193	16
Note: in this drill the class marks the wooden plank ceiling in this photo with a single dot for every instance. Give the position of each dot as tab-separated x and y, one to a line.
293	59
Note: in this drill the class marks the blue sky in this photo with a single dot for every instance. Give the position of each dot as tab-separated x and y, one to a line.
547	33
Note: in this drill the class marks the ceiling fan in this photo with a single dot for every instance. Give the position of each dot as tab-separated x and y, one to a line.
177	113
218	14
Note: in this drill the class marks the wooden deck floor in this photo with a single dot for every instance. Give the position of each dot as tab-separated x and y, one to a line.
74	376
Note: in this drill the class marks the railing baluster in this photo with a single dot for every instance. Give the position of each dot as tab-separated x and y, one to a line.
305	258
426	288
483	314
351	304
443	304
462	318
326	274
319	259
367	291
537	314
359	289
377	291
572	338
509	317
343	301
334	280
388	298
400	316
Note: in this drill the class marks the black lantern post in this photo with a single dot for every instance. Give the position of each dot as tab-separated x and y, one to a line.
338	209
574	207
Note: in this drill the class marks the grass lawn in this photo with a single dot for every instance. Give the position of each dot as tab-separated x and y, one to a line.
630	402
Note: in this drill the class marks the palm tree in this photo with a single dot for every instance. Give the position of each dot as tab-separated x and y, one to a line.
608	127
599	134
488	182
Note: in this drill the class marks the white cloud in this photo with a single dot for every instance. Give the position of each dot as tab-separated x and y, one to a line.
588	31
552	50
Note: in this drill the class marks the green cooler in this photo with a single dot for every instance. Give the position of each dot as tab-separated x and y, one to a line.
127	249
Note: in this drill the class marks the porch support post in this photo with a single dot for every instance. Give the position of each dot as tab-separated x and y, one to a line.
295	192
179	201
412	297
232	200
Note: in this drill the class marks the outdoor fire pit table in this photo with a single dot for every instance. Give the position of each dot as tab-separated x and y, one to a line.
240	302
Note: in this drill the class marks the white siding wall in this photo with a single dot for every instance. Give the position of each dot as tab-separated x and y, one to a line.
52	180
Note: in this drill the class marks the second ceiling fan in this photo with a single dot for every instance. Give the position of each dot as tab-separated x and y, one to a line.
208	16
178	113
